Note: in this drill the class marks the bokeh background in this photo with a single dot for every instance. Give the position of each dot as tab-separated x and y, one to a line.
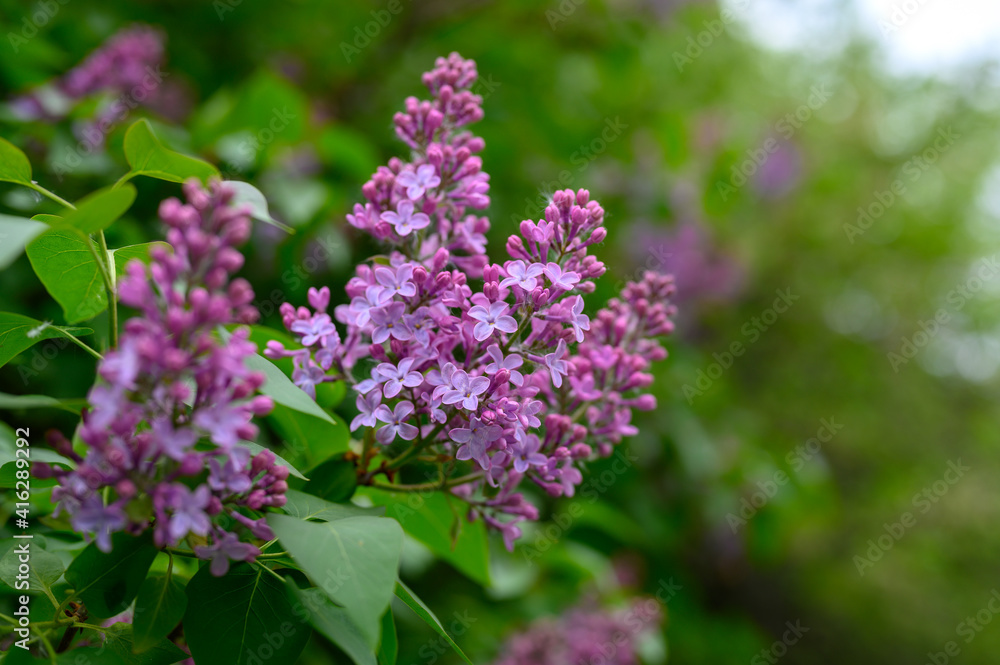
821	177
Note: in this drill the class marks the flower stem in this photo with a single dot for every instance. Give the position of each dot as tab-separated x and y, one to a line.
51	195
414	450
110	282
48	647
429	487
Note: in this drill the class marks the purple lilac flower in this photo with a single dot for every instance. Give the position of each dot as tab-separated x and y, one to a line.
475	439
418	182
367	405
388	322
494	318
524	276
509	363
172	383
396	424
404	220
497	365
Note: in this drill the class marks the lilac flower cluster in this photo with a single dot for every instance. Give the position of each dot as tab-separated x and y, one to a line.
169	389
127	60
583	636
512	377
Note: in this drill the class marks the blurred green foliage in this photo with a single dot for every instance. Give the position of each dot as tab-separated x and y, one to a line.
296	98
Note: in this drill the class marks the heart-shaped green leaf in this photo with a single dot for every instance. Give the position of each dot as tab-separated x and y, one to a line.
353	560
244	617
64	262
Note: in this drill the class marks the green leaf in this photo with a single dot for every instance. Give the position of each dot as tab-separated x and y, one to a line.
334	624
241	618
334	480
432	520
45	568
51	220
421	610
14	164
19	333
99	210
63	260
388	650
247	194
15	402
120	642
354	560
107	582
159	607
314	439
15	233
280	388
308	507
256	448
147	156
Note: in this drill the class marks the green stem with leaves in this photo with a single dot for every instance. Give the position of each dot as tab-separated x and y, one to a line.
104	263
